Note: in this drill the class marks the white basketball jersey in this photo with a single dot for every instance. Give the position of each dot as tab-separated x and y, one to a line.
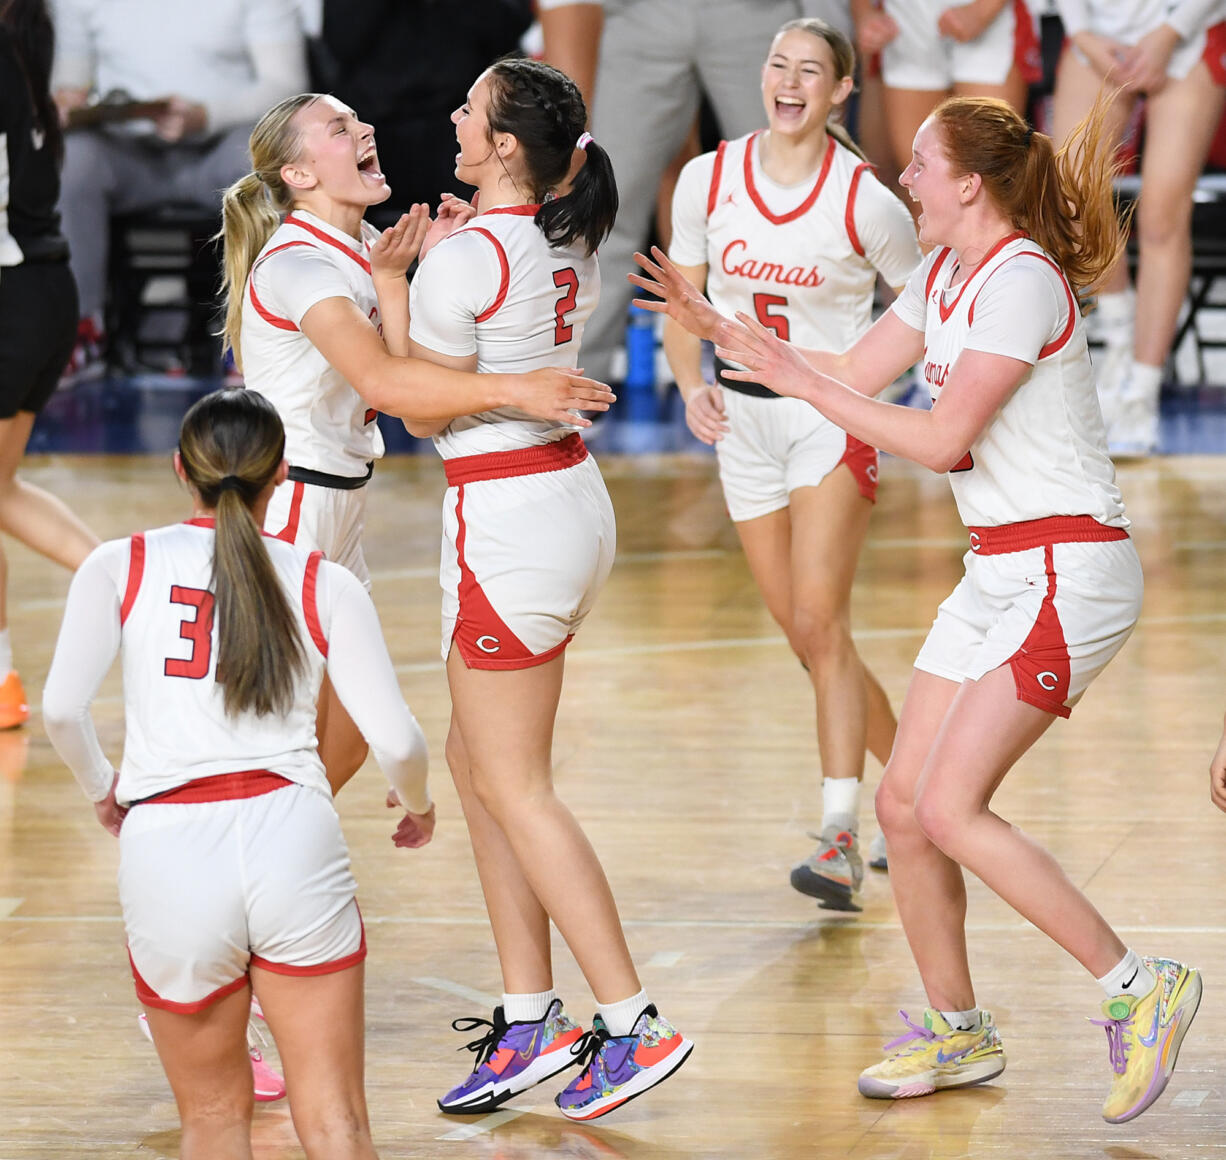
328	426
169	646
1044	453
496	288
805	271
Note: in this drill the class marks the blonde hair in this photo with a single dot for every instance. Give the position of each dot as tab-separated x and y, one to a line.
252	208
231	443
844	54
1064	199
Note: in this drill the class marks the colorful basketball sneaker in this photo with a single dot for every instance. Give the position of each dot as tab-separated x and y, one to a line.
932	1056
1144	1037
834	871
878	858
14	708
512	1057
620	1067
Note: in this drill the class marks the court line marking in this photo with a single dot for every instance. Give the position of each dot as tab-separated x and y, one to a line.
486	1124
8	905
665	959
836	918
1190	1099
481	998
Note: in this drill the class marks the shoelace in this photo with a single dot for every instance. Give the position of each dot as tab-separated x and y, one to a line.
587	1047
917	1031
1117	1045
485	1045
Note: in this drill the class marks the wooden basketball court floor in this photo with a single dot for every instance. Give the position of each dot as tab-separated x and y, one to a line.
685	744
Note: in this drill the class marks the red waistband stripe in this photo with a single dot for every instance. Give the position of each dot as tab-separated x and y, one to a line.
1019	537
522	461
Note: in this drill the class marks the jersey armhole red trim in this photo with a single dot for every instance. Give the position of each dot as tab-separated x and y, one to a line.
849	216
1061	340
266	314
310	608
136	570
717	173
504	269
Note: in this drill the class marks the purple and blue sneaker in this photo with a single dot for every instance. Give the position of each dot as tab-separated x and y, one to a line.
512	1057
620	1067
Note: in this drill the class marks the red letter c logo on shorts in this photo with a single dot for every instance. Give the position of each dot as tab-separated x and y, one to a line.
491	644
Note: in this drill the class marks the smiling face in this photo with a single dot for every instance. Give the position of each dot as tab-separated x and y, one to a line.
337	157
801	83
472	133
930	180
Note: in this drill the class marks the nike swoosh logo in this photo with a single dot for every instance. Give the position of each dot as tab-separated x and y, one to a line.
1152	1038
1128	984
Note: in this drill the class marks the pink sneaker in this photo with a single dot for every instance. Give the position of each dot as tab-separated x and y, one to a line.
268	1084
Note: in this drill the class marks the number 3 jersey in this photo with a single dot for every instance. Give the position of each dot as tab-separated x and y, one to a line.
801	259
149	597
497	289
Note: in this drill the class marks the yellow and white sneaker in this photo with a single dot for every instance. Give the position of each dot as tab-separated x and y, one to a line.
932	1056
1144	1037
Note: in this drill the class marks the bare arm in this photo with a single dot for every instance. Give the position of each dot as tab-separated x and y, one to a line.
414	390
572	43
464	363
978	385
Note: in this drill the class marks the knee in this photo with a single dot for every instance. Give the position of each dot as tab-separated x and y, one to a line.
895	812
1163	222
817	634
939	821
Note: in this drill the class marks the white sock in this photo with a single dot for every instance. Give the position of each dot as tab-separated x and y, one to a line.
1145	382
621	1017
6	654
527	1008
963	1020
1129	976
1117	313
841	803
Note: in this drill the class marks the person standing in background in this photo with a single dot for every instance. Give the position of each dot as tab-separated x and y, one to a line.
38	306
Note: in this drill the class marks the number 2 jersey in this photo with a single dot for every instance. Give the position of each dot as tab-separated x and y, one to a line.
801	259
149	597
496	288
1044	453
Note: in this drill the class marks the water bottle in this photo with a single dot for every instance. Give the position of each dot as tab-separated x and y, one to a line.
639	388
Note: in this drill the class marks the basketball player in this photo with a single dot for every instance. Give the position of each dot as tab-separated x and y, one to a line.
790	225
233	872
1052	586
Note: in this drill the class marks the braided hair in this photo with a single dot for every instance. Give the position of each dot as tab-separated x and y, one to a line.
541	107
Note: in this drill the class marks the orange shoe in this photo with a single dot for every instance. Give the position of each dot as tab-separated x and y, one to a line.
14	709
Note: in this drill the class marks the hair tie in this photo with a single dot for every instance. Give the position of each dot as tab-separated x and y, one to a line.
230	483
1028	136
585	139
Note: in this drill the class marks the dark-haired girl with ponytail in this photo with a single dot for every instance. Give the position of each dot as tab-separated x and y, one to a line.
528	541
1053	585
234	875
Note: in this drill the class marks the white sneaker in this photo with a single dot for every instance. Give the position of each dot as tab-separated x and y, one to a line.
1110	375
1135	429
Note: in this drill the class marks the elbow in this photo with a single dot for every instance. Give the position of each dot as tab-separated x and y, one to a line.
943	460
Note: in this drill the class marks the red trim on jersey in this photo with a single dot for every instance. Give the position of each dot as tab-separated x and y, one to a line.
1005	538
1041	667
849	214
716	173
147	995
289	533
504	274
1215	53
327	239
136	569
522	461
371	414
328	968
523	210
806	205
309	607
221	787
478	626
861	459
934	270
1061	340
1027	53
946	311
266	314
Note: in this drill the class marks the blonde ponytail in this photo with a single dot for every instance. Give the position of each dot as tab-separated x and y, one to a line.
252	208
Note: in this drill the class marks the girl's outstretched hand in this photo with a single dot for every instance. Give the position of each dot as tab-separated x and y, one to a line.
398	246
683	301
767	359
